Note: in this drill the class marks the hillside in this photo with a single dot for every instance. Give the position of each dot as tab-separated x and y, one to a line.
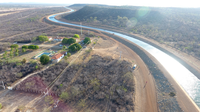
176	27
109	13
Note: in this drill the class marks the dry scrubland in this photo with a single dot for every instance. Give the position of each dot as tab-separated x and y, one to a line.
178	28
91	84
100	86
24	25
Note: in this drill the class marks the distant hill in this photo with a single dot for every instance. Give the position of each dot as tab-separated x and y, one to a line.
112	13
176	27
79	6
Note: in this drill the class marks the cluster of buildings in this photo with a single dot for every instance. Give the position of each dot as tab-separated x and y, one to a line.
57	39
56	58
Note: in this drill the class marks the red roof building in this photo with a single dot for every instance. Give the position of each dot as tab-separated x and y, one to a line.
56	58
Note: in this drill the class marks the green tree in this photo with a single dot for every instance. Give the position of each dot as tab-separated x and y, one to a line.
64	47
75	47
25	47
64	41
71	41
12	49
31	47
14	46
43	38
23	50
87	40
6	52
44	59
16	53
76	36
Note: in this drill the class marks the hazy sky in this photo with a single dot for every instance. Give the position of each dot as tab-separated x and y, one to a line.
156	3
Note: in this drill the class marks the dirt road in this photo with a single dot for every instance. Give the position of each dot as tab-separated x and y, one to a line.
145	97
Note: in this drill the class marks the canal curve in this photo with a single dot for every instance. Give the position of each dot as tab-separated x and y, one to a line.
186	79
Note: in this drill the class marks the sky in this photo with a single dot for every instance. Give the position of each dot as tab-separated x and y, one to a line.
152	3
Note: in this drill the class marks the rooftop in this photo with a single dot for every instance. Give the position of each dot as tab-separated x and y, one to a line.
57	56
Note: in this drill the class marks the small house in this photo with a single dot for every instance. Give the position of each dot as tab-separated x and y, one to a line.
58	39
64	52
50	38
56	58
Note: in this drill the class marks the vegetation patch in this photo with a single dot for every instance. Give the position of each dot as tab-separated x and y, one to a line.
98	81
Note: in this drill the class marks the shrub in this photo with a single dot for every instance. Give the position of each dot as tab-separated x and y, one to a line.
49	99
22	108
23	50
36	67
64	47
172	94
25	47
33	47
0	106
18	64
68	54
65	57
82	103
44	59
36	47
24	60
87	40
64	96
19	75
76	36
43	38
14	46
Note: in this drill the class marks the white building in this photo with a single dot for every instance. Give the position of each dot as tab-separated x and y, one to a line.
50	38
58	39
56	58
